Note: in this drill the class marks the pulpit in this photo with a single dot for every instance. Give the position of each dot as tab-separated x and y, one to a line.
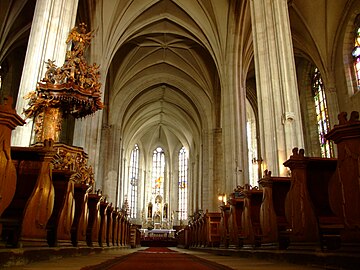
69	91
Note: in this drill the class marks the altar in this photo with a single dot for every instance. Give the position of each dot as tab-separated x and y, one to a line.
157	233
157	224
157	220
158	237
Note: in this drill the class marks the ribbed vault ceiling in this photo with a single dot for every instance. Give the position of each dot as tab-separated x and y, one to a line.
162	81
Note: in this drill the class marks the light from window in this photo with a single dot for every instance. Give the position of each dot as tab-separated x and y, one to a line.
183	183
254	160
356	51
134	179
158	170
322	115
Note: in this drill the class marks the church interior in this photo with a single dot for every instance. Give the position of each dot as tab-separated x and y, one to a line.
228	126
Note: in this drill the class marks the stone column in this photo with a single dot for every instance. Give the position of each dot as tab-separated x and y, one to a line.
53	20
218	185
108	169
277	90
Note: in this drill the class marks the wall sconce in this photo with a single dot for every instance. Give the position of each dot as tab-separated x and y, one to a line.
222	198
259	165
257	161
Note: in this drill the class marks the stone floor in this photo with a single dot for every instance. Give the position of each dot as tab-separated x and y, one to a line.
232	261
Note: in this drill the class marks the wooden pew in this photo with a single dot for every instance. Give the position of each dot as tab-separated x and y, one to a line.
103	222
24	221
121	228
135	236
183	237
195	229
307	204
224	225
109	225
81	217
202	232
59	224
344	190
211	225
9	119
195	233
236	203
93	226
274	225
250	220
127	231
115	227
191	234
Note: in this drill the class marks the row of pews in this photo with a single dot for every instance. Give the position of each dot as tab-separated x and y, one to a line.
45	205
317	206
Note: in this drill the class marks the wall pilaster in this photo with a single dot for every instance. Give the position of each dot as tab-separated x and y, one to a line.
53	20
277	90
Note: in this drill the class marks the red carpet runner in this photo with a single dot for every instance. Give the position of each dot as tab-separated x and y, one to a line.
157	258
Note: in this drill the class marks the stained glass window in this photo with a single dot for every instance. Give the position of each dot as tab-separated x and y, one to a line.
158	170
183	183
322	116
134	179
356	51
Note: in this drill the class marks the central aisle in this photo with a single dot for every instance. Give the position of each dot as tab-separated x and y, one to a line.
233	262
160	258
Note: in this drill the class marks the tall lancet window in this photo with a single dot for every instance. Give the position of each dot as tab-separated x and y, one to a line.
322	115
255	160
356	51
134	179
183	183
158	171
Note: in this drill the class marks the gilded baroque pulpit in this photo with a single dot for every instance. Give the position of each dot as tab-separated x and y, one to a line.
72	90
